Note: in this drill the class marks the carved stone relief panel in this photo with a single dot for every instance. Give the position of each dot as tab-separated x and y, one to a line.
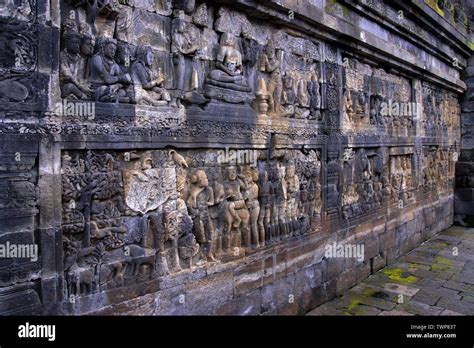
374	99
131	216
197	55
375	178
440	111
13	11
18	65
19	200
437	169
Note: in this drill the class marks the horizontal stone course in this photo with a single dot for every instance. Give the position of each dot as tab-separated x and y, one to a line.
117	128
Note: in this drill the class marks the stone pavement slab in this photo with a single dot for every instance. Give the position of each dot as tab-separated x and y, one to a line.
436	278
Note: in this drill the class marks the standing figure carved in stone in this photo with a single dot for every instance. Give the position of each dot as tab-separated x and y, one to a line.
110	84
73	83
147	84
236	214
349	114
228	73
278	193
314	194
264	218
361	107
216	211
271	64
292	203
253	205
376	116
201	197
184	49
314	98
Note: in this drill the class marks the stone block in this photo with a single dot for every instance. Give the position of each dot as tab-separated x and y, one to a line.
279	294
248	304
333	267
204	295
248	277
170	301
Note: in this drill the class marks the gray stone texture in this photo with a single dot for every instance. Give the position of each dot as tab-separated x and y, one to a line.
178	157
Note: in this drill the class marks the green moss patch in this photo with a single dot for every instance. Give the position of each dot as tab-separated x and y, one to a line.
400	276
441	264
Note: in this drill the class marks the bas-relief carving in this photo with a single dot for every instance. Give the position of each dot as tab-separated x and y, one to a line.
440	111
374	98
292	84
374	178
235	63
22	91
133	216
437	173
17	10
18	63
74	62
130	216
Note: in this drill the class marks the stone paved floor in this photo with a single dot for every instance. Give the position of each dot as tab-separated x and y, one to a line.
431	280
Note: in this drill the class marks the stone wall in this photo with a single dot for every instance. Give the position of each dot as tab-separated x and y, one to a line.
199	157
464	193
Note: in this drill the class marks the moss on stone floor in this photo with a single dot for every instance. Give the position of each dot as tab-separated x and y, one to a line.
400	276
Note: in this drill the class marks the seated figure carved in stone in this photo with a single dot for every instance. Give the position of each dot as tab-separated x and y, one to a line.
146	82
110	83
288	96
73	84
228	73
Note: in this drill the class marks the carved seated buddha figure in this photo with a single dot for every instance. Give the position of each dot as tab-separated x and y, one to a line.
110	83
228	73
146	82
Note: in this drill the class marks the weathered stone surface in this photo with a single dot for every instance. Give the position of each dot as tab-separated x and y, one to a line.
409	288
248	304
248	277
181	157
421	308
204	295
280	296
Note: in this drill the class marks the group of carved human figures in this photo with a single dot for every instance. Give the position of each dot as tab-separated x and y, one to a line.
436	170
202	221
363	109
369	180
103	71
108	70
439	112
251	208
287	95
